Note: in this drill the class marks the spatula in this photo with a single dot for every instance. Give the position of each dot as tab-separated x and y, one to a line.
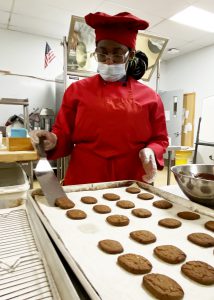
45	175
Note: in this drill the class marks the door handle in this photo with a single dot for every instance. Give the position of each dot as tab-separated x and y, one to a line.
176	134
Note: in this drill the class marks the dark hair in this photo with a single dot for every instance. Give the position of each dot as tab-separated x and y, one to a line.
138	65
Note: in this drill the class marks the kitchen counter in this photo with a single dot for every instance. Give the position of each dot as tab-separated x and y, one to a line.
12	156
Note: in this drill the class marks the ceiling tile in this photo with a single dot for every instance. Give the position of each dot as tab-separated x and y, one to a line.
206	5
163	8
175	43
4	17
190	47
5	4
206	39
76	7
168	56
3	26
41	10
192	1
172	29
113	8
38	26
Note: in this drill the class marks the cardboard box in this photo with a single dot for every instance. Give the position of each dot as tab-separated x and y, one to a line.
19	144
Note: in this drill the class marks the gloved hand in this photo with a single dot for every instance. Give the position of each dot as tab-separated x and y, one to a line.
49	141
147	158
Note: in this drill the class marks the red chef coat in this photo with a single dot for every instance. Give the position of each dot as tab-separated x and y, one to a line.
103	126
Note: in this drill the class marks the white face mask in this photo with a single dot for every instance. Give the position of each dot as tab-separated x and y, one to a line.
111	72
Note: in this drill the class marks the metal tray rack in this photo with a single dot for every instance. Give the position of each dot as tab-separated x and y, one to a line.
29	265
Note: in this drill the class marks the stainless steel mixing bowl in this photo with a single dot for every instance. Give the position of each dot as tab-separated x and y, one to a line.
195	188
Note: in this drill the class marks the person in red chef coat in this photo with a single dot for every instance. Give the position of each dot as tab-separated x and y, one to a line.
112	125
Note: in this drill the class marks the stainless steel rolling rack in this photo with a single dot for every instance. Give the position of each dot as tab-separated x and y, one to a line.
29	265
198	142
24	103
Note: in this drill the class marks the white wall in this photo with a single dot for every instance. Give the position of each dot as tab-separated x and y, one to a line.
24	54
193	72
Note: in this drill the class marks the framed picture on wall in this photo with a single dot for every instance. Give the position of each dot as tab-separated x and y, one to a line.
81	48
153	46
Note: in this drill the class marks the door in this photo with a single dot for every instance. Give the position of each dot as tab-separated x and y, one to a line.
173	106
187	136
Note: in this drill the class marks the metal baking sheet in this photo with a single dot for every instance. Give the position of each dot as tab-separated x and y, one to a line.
98	271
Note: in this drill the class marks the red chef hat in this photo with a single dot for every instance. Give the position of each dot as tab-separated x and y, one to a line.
121	28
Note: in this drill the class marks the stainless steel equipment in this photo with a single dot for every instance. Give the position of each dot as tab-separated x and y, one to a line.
46	118
189	179
46	177
24	103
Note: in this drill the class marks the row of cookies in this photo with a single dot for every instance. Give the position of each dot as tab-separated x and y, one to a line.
160	285
97	202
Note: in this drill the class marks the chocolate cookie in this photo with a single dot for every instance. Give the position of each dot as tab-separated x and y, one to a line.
163	287
170	254
133	190
201	239
209	225
145	196
188	215
141	212
169	223
125	204
199	271
76	214
134	263
118	220
64	203
143	236
162	204
88	200
111	196
102	209
110	246
37	192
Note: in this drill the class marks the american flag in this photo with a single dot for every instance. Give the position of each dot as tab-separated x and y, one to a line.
49	55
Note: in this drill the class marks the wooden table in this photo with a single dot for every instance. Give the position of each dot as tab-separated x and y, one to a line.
12	156
20	156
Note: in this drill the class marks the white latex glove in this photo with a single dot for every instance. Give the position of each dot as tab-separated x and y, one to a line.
50	138
147	158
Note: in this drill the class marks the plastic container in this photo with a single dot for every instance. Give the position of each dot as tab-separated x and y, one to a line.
183	157
13	184
18	132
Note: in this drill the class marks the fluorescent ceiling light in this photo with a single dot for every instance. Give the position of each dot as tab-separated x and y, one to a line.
195	17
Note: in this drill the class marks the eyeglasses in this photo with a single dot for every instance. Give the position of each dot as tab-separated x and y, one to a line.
116	58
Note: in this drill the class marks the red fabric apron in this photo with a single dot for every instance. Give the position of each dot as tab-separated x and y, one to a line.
102	126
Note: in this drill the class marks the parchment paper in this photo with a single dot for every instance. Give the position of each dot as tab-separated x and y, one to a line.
80	239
